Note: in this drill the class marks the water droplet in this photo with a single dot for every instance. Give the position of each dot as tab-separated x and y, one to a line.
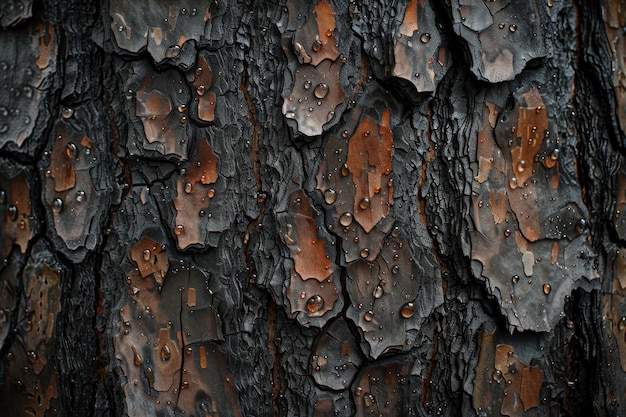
368	315
521	166
378	291
344	134
369	400
137	357
364	204
67	112
395	269
501	25
546	289
165	353
21	225
497	376
408	310
307	84
317	45
179	229
290	114
513	28
507	233
555	154
346	219
120	28
188	188
321	90
172	52
364	253
330	116
57	205
80	196
425	38
330	196
147	255
515	279
329	33
210	193
12	213
621	325
70	150
513	183
314	304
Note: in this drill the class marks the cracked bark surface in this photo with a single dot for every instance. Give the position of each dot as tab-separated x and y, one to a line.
313	208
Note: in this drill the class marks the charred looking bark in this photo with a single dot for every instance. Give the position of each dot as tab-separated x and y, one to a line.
312	208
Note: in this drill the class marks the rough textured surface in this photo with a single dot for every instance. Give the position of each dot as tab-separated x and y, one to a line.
312	208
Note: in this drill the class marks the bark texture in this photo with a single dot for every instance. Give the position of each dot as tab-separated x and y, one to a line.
313	208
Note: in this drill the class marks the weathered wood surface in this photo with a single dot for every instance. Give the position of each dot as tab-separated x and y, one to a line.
313	208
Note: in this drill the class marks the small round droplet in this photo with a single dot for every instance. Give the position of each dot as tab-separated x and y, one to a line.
364	253
307	84
513	183
346	219
515	279
330	196
358	391
188	188
344	134
210	193
137	359
80	196
166	353
425	38
521	166
507	233
147	255
497	376
172	52
179	229
321	90
513	28
547	288
70	150
290	114
368	315
314	304
317	45
364	204
67	112
344	170
501	25
555	154
621	325
408	310
395	269
378	291
12	213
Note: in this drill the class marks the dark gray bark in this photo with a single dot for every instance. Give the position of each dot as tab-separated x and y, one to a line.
312	208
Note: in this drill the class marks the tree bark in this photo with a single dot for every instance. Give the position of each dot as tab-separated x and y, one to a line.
312	208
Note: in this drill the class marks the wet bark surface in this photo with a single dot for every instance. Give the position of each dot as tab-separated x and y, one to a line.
313	208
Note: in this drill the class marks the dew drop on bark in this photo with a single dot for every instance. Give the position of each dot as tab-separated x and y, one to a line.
408	310
70	150
321	90
307	84
179	229
378	291
317	45
12	213
346	219
67	112
314	304
547	288
172	52
425	38
368	315
330	196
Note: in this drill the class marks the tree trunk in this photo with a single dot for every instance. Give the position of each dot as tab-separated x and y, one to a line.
402	208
